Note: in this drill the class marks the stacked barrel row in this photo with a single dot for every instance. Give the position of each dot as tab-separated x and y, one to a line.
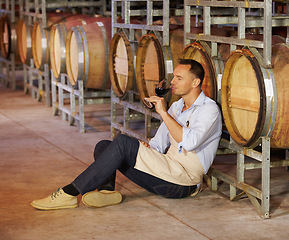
83	48
8	37
254	99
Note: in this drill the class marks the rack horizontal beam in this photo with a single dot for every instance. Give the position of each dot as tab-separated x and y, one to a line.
232	181
128	131
136	107
251	22
138	26
209	3
228	40
246	151
280	163
74	4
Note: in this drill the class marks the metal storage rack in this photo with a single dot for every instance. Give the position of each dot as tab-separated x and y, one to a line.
37	10
9	76
76	95
62	90
132	109
37	82
243	19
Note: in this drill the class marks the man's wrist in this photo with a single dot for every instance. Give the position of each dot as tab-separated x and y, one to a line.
164	114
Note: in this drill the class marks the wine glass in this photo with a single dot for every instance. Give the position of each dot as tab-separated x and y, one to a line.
161	88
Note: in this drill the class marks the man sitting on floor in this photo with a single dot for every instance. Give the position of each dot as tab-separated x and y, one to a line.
191	131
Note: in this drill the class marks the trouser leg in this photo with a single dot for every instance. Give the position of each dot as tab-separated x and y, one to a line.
109	184
121	149
156	185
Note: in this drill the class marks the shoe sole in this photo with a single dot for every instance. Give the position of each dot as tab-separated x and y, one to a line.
199	189
53	208
102	198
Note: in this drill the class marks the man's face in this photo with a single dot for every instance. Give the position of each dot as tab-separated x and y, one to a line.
183	81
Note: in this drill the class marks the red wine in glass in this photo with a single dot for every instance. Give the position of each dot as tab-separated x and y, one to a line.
161	89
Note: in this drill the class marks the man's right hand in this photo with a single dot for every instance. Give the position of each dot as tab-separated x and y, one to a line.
146	144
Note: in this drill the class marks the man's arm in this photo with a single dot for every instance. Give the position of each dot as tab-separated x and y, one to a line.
175	129
161	140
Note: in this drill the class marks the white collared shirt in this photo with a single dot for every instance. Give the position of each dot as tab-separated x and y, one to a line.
202	128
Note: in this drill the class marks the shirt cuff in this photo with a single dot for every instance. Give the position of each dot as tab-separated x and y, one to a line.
185	133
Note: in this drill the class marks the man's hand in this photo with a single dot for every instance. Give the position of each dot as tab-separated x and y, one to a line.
146	144
159	103
173	126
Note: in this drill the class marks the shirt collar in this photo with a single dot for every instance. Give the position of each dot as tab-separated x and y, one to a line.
198	102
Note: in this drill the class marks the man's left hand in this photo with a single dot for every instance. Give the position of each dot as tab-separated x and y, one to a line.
159	103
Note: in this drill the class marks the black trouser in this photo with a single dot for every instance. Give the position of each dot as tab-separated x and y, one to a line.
120	154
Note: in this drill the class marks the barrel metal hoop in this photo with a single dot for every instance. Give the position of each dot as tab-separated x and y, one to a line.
131	47
115	85
271	95
28	43
4	21
162	69
158	35
169	66
106	48
44	46
14	48
85	55
143	45
53	60
139	60
80	54
249	54
39	63
61	29
47	49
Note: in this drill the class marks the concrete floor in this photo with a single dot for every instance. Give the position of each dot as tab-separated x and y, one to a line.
40	152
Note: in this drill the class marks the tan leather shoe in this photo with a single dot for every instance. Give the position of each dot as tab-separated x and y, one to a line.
101	198
57	200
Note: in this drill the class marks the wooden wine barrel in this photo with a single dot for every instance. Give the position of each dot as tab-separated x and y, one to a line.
122	57
8	38
40	38
275	38
155	62
280	60
87	50
254	99
5	40
24	41
57	41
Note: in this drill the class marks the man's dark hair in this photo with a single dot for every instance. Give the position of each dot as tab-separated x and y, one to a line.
196	68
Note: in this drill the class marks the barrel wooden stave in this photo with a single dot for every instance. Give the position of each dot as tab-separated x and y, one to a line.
8	38
241	97
150	67
5	36
121	64
40	38
57	41
280	63
244	97
94	70
155	63
24	41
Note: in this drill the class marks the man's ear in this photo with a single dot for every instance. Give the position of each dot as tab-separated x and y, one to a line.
196	82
